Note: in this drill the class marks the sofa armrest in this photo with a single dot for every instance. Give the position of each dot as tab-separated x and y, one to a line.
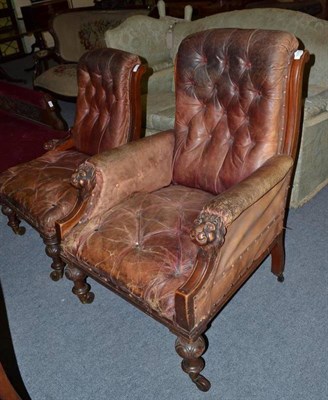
108	178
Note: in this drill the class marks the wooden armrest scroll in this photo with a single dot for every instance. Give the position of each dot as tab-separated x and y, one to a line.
210	226
83	179
59	144
208	230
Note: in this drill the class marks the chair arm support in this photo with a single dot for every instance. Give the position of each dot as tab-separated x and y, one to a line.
59	144
108	178
210	226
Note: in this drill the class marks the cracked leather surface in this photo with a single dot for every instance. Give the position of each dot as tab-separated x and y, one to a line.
143	244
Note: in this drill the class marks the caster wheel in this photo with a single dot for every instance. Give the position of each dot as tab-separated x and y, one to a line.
56	275
281	278
88	298
202	383
20	230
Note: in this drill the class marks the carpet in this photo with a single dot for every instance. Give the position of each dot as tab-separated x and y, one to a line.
270	342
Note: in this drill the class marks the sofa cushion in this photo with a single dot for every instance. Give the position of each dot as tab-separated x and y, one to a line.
315	105
160	113
142	35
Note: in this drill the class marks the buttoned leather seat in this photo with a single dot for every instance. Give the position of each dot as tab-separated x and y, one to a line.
107	115
176	222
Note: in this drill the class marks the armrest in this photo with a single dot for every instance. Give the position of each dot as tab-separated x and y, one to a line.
233	230
110	177
59	144
211	224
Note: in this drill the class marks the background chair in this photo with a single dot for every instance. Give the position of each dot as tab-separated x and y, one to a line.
75	32
107	115
176	222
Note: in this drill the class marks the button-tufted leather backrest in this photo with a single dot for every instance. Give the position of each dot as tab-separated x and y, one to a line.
104	110
231	91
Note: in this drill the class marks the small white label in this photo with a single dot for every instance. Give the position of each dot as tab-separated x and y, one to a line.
298	54
50	104
136	67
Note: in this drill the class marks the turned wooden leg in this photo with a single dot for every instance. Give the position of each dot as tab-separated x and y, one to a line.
53	251
278	258
13	221
192	362
81	289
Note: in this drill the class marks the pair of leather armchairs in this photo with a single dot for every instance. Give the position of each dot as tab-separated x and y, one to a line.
175	223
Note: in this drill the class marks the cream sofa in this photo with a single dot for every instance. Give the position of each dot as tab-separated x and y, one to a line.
158	41
75	32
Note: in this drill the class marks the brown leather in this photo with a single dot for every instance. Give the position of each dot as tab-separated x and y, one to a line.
231	203
142	244
103	116
231	96
146	173
247	238
180	252
40	191
230	124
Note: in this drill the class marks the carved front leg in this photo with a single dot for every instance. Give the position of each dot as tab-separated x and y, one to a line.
192	362
13	221
81	289
53	251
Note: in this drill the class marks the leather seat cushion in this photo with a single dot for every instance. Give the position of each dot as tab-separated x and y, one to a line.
41	188
142	245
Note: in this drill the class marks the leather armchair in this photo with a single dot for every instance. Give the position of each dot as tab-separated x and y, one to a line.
108	114
176	222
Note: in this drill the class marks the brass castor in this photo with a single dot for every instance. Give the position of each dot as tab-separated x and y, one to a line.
192	362
56	275
87	298
19	230
202	383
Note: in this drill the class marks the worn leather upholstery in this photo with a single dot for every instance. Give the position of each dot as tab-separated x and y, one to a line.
226	97
180	248
40	190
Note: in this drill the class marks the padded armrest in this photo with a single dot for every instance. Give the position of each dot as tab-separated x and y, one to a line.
219	213
110	177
